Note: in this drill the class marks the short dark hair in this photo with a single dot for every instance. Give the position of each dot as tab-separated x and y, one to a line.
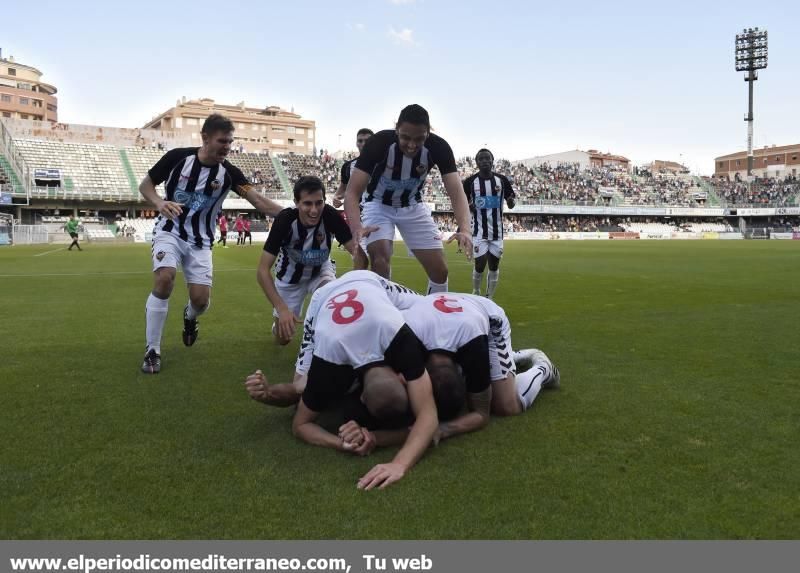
415	114
365	131
481	150
449	388
217	122
309	184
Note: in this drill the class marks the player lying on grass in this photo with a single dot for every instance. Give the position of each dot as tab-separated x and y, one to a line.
353	329
469	340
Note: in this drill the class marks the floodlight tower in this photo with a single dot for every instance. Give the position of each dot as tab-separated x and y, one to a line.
751	55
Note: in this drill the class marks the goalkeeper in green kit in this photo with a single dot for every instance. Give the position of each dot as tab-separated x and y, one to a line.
72	228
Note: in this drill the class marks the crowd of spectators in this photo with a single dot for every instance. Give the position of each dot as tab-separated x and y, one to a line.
762	191
570	184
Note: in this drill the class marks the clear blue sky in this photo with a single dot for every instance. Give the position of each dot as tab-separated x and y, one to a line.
523	79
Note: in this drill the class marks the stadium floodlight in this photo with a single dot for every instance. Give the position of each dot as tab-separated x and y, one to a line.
751	55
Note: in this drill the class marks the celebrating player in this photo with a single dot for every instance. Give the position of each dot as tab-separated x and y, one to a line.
485	191
300	240
392	169
197	182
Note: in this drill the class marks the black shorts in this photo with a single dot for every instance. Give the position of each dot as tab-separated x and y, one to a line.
74	235
223	234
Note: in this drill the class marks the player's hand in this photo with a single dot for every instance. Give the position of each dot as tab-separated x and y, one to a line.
367	445
351	435
256	386
337	201
382	476
287	322
363	233
169	209
464	243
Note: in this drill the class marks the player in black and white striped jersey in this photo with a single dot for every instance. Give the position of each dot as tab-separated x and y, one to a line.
486	191
360	261
197	180
392	170
300	241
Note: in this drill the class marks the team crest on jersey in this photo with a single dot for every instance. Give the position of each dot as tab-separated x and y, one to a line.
422	170
477	249
320	237
160	255
215	184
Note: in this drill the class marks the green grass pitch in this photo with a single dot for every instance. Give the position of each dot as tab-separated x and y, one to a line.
678	416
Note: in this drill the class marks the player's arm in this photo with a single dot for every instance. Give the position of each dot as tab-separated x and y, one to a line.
286	318
157	175
257	200
304	426
508	192
477	418
338	197
473	358
279	395
355	189
168	209
458	200
340	229
420	436
468	193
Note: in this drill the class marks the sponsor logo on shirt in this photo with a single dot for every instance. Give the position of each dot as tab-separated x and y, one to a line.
310	257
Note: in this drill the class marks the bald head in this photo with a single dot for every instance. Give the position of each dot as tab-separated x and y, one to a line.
385	394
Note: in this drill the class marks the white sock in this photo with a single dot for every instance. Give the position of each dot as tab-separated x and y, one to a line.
156	315
192	312
436	287
491	282
530	382
477	279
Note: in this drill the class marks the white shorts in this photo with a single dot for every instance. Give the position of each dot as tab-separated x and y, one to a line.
501	356
171	251
294	295
483	246
415	224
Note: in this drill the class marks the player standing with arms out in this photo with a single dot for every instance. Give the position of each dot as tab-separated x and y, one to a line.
485	191
197	180
360	261
392	169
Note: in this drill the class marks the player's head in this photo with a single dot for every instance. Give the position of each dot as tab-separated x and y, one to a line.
217	134
309	197
362	136
484	159
413	127
449	389
385	395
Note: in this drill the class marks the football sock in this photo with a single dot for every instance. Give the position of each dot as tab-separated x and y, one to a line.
156	315
477	279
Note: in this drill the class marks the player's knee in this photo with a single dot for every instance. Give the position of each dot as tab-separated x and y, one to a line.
381	265
200	300
163	284
438	274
